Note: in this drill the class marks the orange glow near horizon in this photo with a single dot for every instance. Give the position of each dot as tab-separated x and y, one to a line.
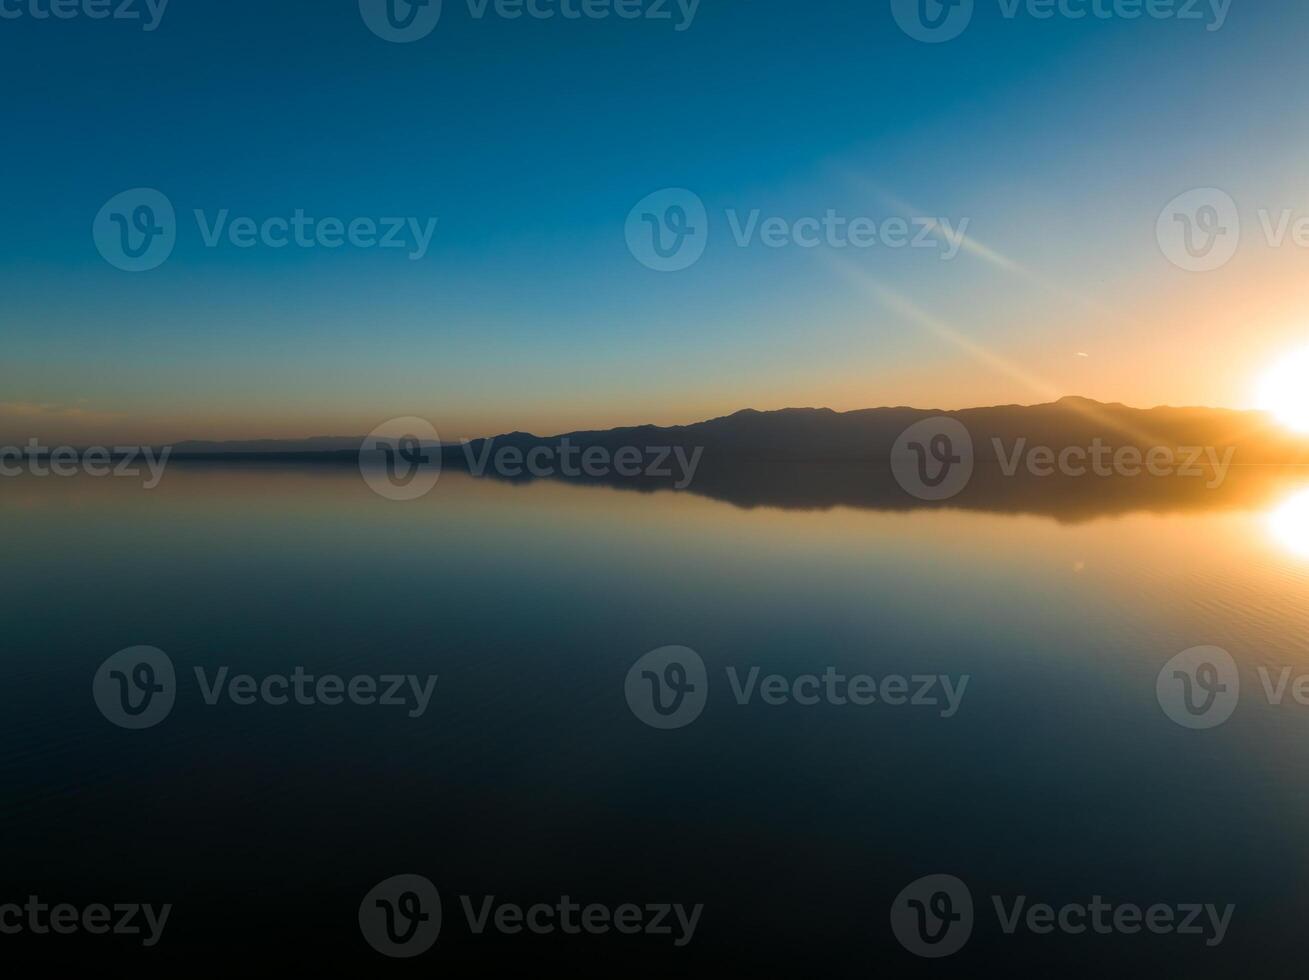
1193	359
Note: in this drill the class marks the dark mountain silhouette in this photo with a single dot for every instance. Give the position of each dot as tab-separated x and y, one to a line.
814	458
820	435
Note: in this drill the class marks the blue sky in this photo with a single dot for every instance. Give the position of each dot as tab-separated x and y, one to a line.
530	140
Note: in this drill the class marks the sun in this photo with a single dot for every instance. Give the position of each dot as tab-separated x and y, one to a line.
1284	391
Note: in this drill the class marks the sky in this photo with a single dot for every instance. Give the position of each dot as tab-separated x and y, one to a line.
1037	154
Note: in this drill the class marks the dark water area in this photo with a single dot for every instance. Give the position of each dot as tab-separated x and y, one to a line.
528	775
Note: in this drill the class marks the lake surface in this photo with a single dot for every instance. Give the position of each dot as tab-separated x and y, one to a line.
528	777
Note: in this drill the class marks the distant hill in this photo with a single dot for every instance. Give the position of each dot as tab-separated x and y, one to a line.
822	435
316	444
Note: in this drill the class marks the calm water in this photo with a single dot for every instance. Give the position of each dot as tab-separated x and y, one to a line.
529	778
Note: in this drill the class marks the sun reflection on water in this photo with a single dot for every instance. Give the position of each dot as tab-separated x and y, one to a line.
1289	524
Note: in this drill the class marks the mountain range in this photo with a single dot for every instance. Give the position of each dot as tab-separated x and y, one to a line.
821	435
